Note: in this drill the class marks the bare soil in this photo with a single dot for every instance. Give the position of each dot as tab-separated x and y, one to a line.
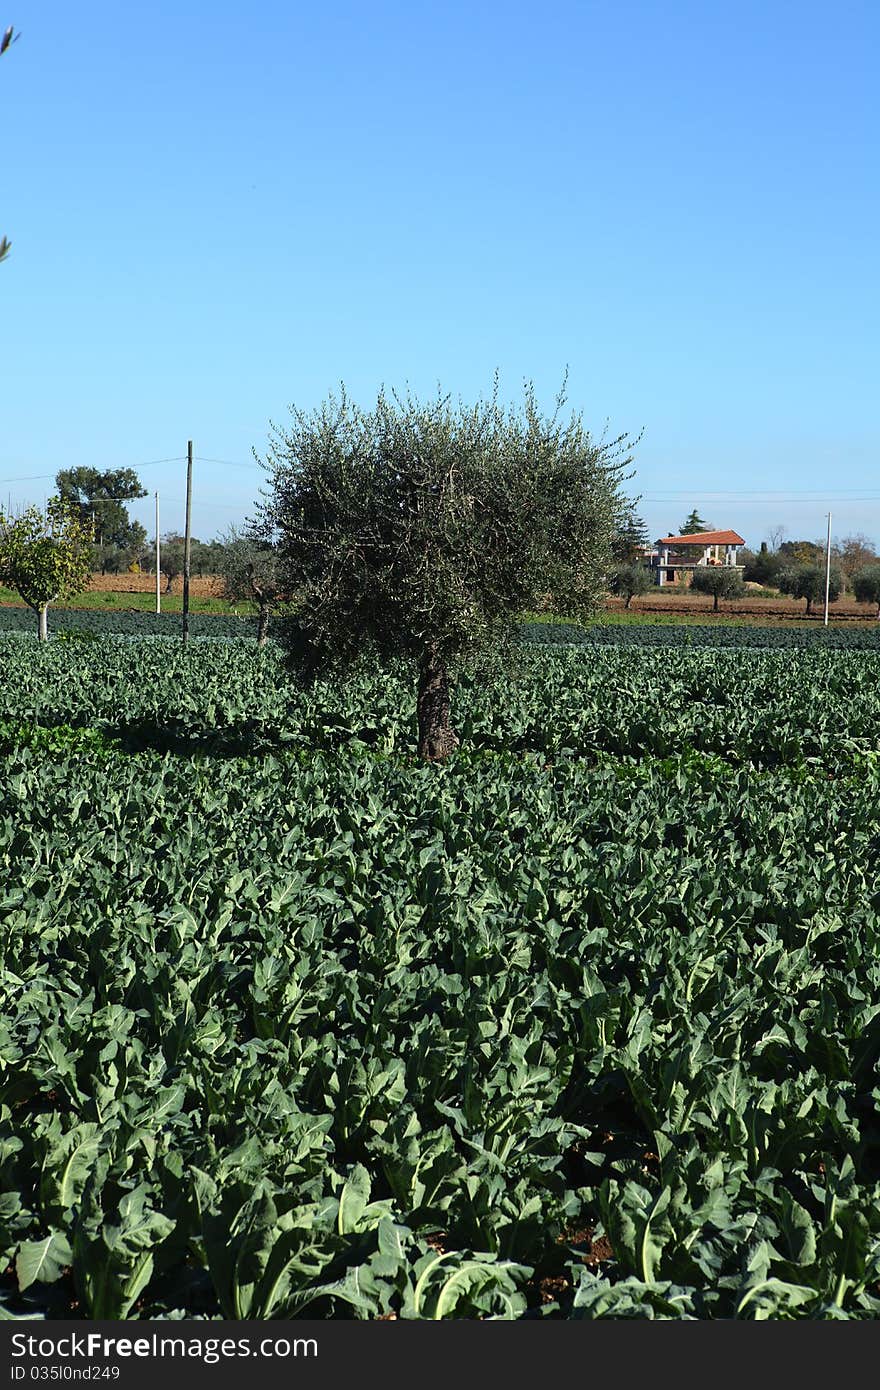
768	610
200	586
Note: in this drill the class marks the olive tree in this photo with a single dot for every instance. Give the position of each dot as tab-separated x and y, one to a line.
808	581
719	581
866	585
248	569
422	530
629	581
172	554
45	556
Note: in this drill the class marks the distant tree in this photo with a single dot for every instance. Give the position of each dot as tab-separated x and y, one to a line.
808	582
210	557
796	553
630	538
866	585
629	581
109	559
45	556
762	568
421	531
719	581
694	524
249	570
172	550
854	553
198	557
775	537
9	37
100	498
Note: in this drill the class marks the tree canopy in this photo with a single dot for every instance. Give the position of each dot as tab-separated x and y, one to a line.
45	556
796	553
854	553
866	585
718	580
630	538
808	582
630	581
421	530
100	498
693	524
248	568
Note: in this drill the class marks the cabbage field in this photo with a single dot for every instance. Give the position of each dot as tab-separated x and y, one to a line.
584	1024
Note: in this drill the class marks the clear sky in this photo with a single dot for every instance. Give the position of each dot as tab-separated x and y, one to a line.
219	209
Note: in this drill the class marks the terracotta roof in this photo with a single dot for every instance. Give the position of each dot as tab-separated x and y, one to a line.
704	538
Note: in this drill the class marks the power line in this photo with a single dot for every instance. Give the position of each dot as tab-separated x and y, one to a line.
777	499
39	477
750	492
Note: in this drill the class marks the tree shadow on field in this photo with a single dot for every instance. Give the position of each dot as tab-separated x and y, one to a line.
245	739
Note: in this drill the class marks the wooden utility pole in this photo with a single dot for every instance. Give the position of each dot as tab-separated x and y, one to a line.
827	568
158	561
189	480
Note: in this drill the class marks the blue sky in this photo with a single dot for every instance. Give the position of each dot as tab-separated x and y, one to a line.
218	210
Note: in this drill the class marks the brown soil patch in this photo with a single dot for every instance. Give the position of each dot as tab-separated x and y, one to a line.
593	1251
553	1288
200	586
769	609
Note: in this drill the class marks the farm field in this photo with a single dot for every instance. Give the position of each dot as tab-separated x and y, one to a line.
113	594
134	593
767	608
584	1024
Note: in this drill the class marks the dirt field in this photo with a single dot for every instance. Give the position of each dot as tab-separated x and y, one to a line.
207	586
768	610
684	604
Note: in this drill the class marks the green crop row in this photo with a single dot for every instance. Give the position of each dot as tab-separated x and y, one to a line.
669	633
79	622
699	635
762	709
584	1024
341	1037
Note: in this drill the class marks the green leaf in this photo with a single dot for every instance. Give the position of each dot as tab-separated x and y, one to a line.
42	1260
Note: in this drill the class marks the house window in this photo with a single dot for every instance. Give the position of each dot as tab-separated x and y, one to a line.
670	576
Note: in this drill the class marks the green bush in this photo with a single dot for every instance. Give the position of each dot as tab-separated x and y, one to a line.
808	582
719	581
628	581
866	585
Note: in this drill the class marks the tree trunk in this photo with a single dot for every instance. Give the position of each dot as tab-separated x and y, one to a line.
263	626
168	584
715	604
629	599
43	622
809	606
437	739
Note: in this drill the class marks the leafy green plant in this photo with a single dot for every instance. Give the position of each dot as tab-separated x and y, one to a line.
584	1024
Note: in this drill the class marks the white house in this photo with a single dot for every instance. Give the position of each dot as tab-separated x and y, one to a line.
703	548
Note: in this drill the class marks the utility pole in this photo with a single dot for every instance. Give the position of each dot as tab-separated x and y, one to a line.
158	572
827	568
189	480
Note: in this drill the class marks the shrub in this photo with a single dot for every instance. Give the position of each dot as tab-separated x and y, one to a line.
808	582
866	585
628	581
719	581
